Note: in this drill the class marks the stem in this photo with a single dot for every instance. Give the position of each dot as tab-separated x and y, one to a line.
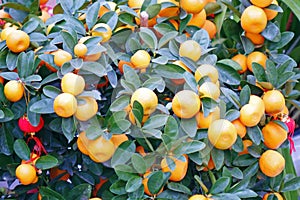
144	19
204	188
212	177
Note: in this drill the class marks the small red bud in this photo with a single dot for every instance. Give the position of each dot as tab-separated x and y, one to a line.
27	127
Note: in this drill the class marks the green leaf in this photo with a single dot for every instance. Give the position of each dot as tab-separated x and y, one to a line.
230	63
156	121
46	162
92	14
68	41
255	134
131	76
170	71
189	147
232	29
16	6
286	37
148	37
246	193
271	32
139	163
189	127
9	115
6	141
247	45
133	184
79	192
231	96
125	172
153	10
244	160
259	72
201	36
178	187
271	72
208	105
291	185
155	182
118	187
220	185
48	192
51	91
228	74
232	114
166	38
68	127
9	75
245	95
44	106
171	127
37	37
11	60
218	157
294	6
138	111
94	68
123	153
120	103
21	149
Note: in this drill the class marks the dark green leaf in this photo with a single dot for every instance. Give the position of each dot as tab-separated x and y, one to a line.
178	187
245	95
220	185
138	163
255	134
44	106
79	192
48	192
46	162
68	127
21	149
92	14
133	184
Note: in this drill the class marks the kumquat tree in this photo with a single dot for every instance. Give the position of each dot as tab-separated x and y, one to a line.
149	99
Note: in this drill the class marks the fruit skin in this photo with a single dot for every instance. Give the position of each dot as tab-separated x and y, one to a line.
26	174
250	115
198	19
27	127
72	83
261	3
253	19
257	57
122	63
271	14
255	38
207	70
274	135
5	32
61	56
186	104
106	35
118	139
198	197
274	102
222	134
109	6
14	90
135	3
65	105
209	89
211	28
246	143
242	61
17	41
169	11
258	102
210	165
192	6
204	122
140	59
145	183
240	127
190	49
271	163
183	66
80	50
87	108
147	98
279	197
180	169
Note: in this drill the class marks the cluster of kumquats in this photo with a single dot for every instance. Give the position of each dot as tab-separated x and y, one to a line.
171	119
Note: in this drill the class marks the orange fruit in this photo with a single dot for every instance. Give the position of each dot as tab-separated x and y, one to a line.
240	127
279	197
271	163
17	41
96	198
257	57
253	19
180	169
72	83
246	143
250	115
147	98
42	2
186	104
118	139
271	14
87	108
135	3
26	174
209	89
106	35
261	3
210	165
198	197
242	61
169	11
183	66
45	16
109	6
211	28
132	118
4	14
207	70
13	90
61	56
55	172
258	102
285	110
5	32
140	59
198	19
192	6
255	38
65	105
222	134
89	57
145	183
274	135
82	147
190	49
122	63
274	102
80	50
204	122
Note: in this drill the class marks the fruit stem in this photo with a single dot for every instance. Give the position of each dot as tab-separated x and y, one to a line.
212	177
144	19
204	188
